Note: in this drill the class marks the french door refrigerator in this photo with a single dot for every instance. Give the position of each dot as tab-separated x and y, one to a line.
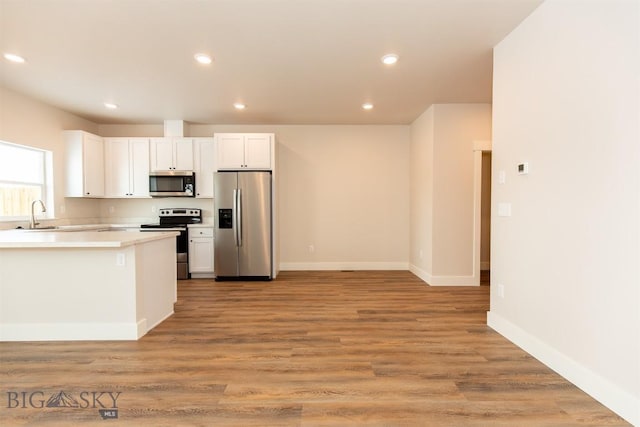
242	217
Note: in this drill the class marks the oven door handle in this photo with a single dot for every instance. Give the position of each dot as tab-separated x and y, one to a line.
164	229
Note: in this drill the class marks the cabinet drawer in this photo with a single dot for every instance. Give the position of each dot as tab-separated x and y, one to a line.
200	232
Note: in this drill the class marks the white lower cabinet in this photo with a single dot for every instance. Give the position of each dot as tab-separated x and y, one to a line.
201	252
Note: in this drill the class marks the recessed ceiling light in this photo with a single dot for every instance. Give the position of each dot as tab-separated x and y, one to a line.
110	105
390	59
239	106
203	58
367	106
14	58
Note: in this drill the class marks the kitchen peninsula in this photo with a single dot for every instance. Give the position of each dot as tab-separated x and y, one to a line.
85	285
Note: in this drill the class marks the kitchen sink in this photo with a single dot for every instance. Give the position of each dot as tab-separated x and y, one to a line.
46	228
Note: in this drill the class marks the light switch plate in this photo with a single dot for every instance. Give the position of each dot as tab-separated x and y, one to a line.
502	177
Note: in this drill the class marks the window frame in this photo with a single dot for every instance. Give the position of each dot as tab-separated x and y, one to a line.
47	188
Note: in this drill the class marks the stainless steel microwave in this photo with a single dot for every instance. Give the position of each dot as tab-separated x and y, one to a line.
172	184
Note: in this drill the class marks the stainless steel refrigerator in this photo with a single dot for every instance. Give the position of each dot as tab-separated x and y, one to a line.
243	232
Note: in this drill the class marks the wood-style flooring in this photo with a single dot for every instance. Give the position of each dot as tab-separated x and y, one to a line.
308	349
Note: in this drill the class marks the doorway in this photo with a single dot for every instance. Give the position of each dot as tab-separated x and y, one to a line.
482	212
485	221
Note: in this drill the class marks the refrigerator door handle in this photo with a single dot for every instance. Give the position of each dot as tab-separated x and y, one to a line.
235	217
239	216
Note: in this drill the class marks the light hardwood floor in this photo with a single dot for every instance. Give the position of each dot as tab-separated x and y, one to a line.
309	349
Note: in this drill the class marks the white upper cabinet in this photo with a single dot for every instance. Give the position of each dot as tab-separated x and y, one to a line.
139	160
241	151
258	151
229	150
171	154
183	154
205	166
126	167
84	164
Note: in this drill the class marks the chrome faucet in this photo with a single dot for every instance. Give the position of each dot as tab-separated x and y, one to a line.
33	222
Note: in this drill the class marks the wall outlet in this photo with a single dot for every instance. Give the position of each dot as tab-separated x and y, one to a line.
312	249
112	209
420	254
500	290
120	259
153	209
62	209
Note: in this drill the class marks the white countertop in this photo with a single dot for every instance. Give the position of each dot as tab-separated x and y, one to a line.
79	239
201	225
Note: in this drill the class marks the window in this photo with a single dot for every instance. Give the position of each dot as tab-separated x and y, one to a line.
25	176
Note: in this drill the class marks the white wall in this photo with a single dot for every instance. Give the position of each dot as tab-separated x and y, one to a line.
456	127
566	100
26	121
421	215
342	189
442	184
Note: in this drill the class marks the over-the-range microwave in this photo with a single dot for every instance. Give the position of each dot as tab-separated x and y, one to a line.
172	184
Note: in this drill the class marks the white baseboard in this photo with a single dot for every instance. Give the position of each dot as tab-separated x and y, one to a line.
613	397
336	266
426	277
203	276
70	331
444	280
141	328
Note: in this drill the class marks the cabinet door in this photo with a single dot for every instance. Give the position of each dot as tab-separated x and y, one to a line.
205	167
161	154
93	166
116	151
183	154
139	167
201	255
257	151
230	150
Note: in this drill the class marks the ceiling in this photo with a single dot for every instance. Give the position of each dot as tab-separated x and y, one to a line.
289	61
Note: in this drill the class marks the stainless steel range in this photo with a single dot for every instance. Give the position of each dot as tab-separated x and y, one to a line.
177	219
